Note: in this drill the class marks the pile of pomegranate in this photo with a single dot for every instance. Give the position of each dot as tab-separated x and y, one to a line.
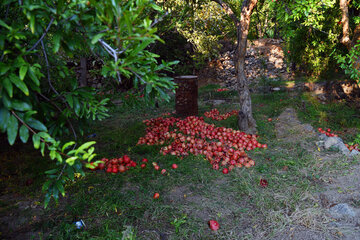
215	114
116	165
222	147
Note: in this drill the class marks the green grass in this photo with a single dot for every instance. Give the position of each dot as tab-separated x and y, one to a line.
112	205
338	116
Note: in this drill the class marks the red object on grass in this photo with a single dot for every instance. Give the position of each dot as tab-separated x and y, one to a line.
263	183
214	225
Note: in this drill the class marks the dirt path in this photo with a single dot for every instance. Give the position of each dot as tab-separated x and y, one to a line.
336	209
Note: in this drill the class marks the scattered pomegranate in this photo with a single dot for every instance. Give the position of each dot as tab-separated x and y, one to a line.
215	114
156	195
214	225
174	166
269	119
352	147
263	183
222	90
327	132
143	165
225	171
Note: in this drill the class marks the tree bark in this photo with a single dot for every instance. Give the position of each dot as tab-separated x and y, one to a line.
246	121
83	72
344	7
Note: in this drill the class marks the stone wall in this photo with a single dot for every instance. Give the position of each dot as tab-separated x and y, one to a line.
264	58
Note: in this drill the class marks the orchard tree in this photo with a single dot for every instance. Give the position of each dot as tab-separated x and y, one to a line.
40	98
240	14
246	121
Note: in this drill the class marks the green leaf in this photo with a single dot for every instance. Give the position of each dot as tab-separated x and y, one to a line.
156	7
52	171
6	101
70	172
46	185
33	123
69	99
97	37
12	129
42	148
84	146
77	106
24	133
2	23
52	154
33	76
56	39
66	145
4	68
4	117
47	199
148	88
19	84
28	115
20	106
22	72
8	86
141	47
71	160
32	24
59	157
36	141
60	186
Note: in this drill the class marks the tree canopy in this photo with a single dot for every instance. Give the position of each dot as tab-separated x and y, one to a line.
41	99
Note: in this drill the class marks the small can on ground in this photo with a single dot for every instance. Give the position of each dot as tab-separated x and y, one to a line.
80	224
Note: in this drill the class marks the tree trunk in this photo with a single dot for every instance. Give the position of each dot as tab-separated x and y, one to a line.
83	72
344	7
246	121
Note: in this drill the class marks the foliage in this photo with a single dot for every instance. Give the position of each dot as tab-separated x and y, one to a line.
356	140
350	63
201	23
177	222
40	97
311	31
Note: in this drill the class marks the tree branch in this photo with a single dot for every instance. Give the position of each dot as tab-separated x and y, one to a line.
159	19
48	69
228	11
113	52
41	139
59	109
42	36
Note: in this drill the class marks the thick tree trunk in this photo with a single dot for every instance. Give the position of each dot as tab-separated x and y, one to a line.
83	72
246	121
344	7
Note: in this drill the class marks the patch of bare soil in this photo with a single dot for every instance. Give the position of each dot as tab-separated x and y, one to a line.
205	204
336	209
